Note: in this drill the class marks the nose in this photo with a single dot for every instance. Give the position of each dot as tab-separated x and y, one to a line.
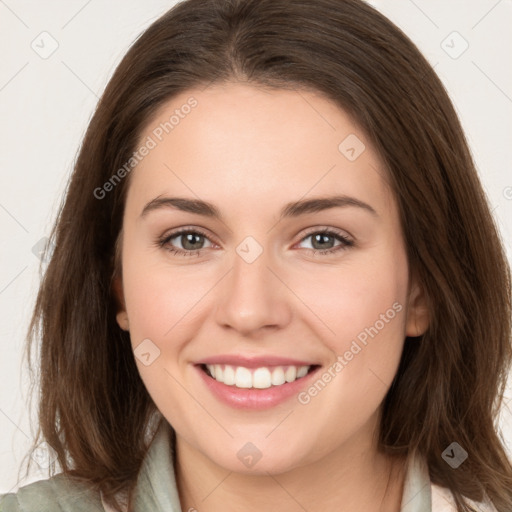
253	298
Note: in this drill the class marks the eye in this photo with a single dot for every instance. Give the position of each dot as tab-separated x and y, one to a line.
322	241
190	240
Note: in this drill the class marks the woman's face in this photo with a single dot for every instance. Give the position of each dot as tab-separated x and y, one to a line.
292	260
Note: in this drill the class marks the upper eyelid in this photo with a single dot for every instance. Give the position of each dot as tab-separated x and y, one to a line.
332	230
185	230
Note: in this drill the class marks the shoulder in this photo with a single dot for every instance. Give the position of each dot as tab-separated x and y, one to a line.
442	501
57	494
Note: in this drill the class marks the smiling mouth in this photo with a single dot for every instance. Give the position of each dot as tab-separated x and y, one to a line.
256	378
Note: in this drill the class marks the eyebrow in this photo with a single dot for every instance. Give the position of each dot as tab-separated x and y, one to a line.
293	209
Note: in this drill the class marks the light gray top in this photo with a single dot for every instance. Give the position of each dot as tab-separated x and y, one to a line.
156	489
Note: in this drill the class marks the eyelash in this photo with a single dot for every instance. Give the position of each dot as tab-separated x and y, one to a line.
164	242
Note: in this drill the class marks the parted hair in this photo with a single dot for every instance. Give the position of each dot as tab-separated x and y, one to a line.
93	408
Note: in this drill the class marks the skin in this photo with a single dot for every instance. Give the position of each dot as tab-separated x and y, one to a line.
249	151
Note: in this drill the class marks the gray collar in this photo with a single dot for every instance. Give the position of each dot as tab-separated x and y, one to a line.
156	487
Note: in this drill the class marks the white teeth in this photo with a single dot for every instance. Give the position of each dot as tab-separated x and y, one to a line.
219	374
211	369
229	376
302	371
278	377
290	374
259	378
243	377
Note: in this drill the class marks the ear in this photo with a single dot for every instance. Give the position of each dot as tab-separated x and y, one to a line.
121	315
417	321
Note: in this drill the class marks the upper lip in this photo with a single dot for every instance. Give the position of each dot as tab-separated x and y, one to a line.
254	361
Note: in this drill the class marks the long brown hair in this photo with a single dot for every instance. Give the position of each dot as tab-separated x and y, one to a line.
93	407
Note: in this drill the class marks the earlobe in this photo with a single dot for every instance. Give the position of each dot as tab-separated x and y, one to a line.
121	315
122	320
417	312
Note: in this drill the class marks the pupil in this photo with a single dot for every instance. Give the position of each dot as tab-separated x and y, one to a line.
321	238
189	238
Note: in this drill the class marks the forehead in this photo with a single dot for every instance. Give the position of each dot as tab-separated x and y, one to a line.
255	144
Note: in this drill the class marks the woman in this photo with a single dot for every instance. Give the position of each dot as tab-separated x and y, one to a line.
340	338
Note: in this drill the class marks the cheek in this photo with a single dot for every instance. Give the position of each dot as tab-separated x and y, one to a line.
363	305
354	298
158	300
160	305
364	310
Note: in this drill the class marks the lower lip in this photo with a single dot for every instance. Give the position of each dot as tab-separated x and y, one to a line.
243	398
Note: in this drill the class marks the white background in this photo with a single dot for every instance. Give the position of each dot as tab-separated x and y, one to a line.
46	105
